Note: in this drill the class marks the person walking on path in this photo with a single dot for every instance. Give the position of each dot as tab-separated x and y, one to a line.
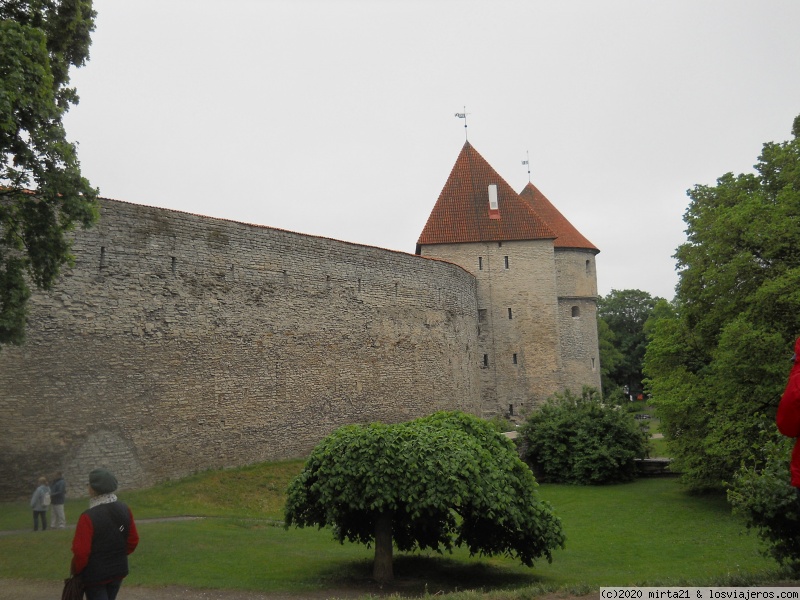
58	495
104	537
788	417
39	501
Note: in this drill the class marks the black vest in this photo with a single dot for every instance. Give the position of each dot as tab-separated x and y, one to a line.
109	557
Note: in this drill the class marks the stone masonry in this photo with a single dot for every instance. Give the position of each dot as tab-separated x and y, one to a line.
179	343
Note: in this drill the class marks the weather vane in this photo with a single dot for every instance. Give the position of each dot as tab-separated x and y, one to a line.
527	162
463	115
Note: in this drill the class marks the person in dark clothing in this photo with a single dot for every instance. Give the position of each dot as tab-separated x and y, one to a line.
104	537
58	495
788	417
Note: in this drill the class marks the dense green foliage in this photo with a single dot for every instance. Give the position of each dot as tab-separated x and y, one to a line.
769	504
624	314
444	480
42	192
582	440
718	356
610	356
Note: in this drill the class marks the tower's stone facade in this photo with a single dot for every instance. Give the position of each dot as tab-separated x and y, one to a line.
536	286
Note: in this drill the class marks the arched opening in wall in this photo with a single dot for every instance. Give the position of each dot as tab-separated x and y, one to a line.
110	449
514	358
174	265
594	366
485	360
102	257
510	410
588	267
576	312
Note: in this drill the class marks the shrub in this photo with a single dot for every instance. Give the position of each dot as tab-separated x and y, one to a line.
581	440
769	504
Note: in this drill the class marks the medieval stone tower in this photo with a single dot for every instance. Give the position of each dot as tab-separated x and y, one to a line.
536	285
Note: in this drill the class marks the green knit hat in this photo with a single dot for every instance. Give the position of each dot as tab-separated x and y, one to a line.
102	481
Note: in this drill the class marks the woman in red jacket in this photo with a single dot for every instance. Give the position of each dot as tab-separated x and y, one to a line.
788	418
104	537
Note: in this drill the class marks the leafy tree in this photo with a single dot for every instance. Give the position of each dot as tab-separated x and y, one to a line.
625	312
430	483
610	356
763	496
581	440
717	358
42	192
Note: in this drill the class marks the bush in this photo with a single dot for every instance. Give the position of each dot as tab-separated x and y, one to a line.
581	440
769	504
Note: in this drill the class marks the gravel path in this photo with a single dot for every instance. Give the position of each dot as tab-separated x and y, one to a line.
16	589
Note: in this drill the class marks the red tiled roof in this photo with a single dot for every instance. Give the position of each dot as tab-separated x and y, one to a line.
461	213
568	236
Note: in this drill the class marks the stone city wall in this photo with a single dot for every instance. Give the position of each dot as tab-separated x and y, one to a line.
179	343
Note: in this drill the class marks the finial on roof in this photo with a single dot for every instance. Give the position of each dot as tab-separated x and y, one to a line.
527	161
463	115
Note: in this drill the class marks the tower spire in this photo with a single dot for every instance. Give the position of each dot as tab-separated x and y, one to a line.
463	115
527	162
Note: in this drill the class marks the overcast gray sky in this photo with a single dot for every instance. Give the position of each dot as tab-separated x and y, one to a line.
337	117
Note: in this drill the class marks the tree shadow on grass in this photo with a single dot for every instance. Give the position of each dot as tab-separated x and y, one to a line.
416	575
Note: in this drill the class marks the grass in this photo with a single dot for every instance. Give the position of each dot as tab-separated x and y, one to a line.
658	446
649	531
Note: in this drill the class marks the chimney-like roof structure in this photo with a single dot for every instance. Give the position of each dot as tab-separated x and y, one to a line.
568	236
462	212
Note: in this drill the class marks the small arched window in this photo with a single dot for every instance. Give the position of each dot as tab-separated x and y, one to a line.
576	311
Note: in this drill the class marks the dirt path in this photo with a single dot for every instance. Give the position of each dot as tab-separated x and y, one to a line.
16	589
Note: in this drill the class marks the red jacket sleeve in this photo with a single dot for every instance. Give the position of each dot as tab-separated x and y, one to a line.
788	417
133	535
82	544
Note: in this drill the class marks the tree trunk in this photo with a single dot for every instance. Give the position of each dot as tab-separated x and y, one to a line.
382	568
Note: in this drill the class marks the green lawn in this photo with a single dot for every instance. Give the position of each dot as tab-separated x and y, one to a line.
648	531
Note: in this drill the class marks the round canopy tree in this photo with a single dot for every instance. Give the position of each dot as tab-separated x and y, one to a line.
439	481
